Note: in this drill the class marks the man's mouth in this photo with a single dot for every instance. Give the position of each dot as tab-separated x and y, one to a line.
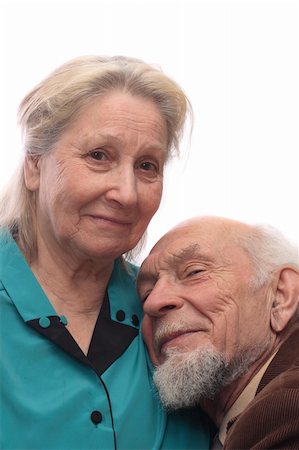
175	340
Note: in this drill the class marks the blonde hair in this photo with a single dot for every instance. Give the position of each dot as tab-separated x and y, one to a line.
54	103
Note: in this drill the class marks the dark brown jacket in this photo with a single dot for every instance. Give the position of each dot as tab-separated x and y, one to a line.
271	420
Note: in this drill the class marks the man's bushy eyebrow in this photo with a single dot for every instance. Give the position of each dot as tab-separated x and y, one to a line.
145	277
186	253
192	251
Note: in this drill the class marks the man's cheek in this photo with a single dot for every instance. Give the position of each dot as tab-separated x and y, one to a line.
147	332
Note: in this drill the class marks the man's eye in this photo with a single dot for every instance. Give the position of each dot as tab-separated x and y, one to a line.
194	272
144	296
98	155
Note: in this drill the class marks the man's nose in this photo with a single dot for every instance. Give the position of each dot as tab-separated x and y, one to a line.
123	187
163	298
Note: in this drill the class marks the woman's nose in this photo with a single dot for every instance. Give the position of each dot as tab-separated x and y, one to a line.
123	187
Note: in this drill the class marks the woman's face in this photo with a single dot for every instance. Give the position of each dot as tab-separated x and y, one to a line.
102	183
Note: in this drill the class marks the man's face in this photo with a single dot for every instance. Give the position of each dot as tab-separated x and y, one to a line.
197	293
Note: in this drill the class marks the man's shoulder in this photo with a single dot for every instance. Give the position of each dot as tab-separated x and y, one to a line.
277	403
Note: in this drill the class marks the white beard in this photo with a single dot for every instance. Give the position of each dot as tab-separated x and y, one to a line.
187	377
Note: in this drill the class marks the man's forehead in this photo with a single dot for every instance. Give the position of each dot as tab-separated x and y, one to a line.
210	233
173	255
202	239
186	241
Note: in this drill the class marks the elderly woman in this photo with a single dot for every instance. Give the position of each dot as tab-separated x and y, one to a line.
75	373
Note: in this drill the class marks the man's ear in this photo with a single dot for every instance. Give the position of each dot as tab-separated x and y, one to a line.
32	172
286	301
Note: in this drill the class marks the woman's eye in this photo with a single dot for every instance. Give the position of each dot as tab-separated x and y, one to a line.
148	166
98	155
149	170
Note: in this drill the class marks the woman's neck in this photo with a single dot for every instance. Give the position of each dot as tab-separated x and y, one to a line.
80	290
76	291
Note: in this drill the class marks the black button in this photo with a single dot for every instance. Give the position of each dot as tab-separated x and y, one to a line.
135	320
120	315
96	417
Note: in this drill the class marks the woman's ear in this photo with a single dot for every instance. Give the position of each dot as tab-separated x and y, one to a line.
32	172
286	301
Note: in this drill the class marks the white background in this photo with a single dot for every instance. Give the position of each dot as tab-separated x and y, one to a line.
238	61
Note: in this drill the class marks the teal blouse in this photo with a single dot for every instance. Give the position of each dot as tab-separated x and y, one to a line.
54	397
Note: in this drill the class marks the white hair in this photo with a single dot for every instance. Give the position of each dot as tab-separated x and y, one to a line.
50	107
186	378
267	249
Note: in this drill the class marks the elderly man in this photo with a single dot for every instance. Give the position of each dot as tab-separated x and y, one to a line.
221	323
